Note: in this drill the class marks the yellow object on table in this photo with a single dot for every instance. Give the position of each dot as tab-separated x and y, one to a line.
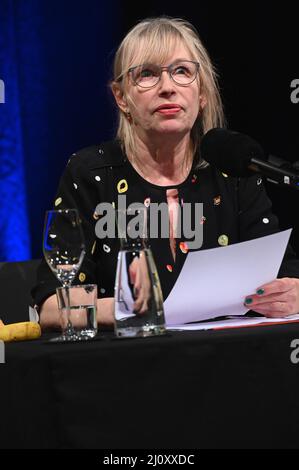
19	331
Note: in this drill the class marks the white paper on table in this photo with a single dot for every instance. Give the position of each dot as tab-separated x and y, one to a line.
233	323
215	282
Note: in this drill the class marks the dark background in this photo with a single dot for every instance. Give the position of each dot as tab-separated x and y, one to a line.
56	59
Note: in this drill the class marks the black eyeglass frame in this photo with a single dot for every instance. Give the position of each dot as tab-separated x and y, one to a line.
168	68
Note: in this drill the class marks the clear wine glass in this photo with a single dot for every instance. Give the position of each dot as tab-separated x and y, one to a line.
64	250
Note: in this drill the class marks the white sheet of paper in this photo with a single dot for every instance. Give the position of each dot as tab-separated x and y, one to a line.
232	323
215	282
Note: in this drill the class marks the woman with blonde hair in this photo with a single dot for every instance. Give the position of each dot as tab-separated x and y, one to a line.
166	92
151	42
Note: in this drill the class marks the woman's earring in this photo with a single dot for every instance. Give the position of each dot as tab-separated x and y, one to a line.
128	115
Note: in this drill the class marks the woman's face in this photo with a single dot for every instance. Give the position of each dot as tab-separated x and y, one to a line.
149	119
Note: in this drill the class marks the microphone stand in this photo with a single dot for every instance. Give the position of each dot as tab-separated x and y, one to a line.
277	171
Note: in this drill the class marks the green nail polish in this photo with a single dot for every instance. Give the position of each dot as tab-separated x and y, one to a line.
248	301
260	291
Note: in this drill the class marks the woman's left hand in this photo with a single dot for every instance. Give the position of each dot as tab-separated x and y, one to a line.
278	298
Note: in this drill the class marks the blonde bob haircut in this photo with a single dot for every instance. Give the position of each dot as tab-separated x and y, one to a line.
151	41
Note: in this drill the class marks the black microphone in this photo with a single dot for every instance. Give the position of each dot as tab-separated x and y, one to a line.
239	155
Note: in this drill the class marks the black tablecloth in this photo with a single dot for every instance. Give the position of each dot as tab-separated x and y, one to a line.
187	390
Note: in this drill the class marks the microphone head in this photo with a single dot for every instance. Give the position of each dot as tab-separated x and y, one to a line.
230	152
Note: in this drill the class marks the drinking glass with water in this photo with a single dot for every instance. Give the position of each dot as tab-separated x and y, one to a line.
78	305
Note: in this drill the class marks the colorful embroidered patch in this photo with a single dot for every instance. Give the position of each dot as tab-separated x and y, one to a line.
122	186
58	201
184	247
147	202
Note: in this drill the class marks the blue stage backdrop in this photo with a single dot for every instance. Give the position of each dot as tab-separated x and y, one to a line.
55	62
14	232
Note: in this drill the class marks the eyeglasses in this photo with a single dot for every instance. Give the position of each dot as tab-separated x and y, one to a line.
182	72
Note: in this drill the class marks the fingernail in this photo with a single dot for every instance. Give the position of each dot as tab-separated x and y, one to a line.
260	291
248	301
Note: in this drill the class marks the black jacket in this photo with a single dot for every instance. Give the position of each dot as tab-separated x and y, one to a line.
238	208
